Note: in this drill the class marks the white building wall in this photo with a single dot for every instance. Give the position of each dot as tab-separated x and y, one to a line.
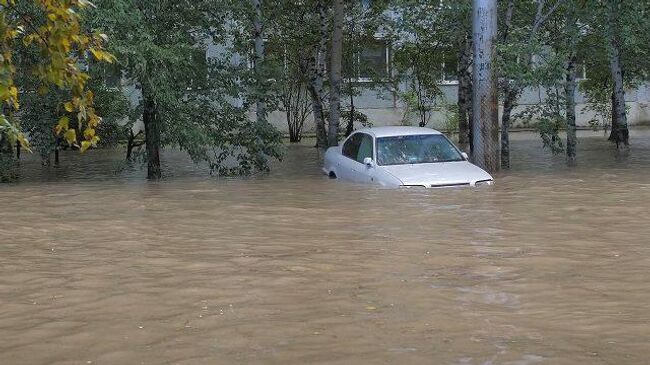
382	109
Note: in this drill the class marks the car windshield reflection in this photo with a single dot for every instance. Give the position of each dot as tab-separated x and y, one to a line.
416	149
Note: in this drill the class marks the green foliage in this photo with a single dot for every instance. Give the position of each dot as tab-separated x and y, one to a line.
357	116
423	35
451	119
201	103
598	101
39	116
550	119
113	106
8	164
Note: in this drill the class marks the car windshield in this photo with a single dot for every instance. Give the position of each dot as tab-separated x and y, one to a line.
415	149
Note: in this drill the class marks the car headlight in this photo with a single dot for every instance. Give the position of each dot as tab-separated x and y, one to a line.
484	183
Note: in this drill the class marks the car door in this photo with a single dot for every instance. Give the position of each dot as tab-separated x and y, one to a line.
347	167
365	173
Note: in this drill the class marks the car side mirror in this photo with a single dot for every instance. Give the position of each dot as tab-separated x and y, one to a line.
368	162
465	156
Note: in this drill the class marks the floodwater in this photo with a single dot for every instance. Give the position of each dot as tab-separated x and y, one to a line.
549	266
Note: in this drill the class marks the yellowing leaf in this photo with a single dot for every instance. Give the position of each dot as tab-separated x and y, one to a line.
63	125
89	133
69	107
85	145
70	136
102	55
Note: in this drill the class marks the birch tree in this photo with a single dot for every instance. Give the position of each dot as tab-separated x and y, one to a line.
336	59
620	130
522	62
572	35
316	70
259	58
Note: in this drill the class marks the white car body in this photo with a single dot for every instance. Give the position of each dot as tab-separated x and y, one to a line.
429	174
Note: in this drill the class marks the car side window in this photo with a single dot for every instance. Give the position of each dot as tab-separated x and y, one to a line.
365	147
351	146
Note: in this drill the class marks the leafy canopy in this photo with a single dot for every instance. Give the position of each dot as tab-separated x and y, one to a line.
53	28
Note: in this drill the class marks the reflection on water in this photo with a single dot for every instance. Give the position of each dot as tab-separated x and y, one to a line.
550	266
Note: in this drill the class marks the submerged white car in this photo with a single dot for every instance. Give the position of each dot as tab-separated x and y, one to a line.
402	156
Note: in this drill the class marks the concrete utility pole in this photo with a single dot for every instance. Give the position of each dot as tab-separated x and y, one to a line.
485	103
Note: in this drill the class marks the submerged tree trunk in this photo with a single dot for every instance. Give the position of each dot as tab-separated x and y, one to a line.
45	159
336	60
57	149
621	132
485	128
258	36
509	103
131	144
570	87
464	92
510	95
514	89
316	76
569	92
318	111
614	123
152	135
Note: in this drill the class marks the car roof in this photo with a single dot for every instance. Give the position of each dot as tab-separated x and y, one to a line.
397	131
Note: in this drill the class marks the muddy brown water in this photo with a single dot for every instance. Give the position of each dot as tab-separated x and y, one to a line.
550	266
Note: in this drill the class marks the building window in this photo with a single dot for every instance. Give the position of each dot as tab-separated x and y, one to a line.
581	71
368	61
449	69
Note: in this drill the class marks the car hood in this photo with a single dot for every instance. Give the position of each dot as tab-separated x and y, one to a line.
441	173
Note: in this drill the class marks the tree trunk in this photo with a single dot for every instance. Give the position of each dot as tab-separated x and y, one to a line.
621	132
508	106
336	60
464	92
570	86
152	135
569	92
614	123
319	116
18	148
485	128
316	76
258	36
57	149
514	89
45	159
292	133
350	127
510	95
131	144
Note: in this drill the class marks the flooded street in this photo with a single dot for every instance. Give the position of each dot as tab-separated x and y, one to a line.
549	266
